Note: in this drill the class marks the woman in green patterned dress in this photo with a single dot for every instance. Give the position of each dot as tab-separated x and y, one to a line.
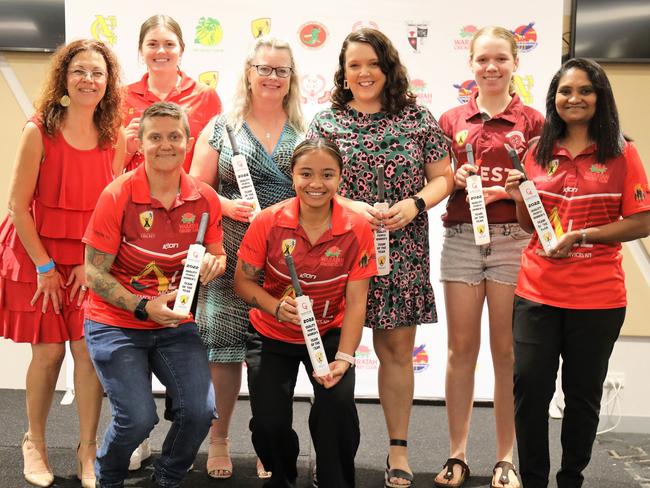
374	120
268	124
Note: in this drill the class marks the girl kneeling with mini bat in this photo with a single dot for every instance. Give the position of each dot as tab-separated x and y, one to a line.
334	255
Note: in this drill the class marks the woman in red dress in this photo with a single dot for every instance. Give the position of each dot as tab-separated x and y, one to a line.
68	152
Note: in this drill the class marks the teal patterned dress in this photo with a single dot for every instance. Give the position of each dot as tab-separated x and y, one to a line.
403	142
222	316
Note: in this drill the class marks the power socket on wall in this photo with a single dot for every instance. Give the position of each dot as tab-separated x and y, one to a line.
614	380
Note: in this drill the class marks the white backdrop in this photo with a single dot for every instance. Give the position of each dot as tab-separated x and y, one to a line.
433	40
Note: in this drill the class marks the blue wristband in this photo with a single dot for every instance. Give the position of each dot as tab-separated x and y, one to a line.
45	267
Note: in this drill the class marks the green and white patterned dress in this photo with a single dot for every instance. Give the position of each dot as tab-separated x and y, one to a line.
222	316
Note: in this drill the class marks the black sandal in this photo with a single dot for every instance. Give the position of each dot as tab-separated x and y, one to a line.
449	475
397	473
504	479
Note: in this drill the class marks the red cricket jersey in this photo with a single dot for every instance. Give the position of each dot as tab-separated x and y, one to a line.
464	124
581	193
345	252
148	241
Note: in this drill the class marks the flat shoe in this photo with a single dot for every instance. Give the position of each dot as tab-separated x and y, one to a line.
449	475
504	479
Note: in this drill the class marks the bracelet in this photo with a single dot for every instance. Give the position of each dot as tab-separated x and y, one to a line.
44	268
277	310
583	235
342	356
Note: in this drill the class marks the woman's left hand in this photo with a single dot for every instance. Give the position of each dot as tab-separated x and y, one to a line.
212	267
564	245
337	369
78	281
400	215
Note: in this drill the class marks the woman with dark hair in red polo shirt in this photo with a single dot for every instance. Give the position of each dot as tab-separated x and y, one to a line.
571	302
161	46
333	249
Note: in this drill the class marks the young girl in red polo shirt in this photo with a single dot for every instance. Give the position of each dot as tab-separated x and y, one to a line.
333	249
472	274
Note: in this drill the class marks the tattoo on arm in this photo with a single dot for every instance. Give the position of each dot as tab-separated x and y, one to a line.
98	265
251	271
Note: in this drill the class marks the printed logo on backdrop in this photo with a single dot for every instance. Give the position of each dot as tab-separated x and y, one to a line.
313	89
420	359
208	33
261	27
313	34
526	37
417	33
419	89
464	38
210	78
365	358
466	90
103	29
524	87
360	24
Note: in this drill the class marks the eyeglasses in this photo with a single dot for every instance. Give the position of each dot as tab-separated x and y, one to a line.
280	71
96	75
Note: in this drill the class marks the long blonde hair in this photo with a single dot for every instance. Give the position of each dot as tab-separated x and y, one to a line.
242	100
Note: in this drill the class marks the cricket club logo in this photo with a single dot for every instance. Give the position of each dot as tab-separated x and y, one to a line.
461	137
420	359
526	37
261	27
360	24
313	89
419	89
103	29
417	33
464	39
466	90
208	32
210	78
313	34
517	141
524	87
288	245
146	220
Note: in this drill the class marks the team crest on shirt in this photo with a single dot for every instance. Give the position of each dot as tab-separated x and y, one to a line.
461	137
261	27
640	193
332	257
288	245
517	141
138	281
188	223
552	167
597	172
146	220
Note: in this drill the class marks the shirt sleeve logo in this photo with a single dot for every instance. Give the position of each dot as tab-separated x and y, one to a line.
146	220
639	192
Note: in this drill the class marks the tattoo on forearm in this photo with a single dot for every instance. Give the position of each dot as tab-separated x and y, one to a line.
251	271
98	265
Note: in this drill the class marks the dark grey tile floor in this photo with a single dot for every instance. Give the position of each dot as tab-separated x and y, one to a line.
619	461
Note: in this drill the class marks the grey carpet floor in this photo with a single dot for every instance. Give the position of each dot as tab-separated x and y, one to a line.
428	448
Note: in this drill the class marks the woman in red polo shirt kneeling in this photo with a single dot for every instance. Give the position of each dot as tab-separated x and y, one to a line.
333	249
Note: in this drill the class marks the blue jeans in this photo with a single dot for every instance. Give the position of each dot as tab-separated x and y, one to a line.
124	359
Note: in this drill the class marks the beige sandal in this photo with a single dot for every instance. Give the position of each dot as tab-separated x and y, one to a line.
219	464
262	473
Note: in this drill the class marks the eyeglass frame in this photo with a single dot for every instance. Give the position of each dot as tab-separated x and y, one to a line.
95	75
258	66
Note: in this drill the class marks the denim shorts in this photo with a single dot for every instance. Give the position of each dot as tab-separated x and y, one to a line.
462	260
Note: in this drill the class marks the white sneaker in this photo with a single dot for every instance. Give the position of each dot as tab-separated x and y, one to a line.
141	453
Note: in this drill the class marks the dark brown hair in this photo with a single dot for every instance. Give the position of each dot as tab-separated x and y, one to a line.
107	116
160	20
395	95
319	144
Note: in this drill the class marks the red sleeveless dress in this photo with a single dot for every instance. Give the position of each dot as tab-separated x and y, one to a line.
69	183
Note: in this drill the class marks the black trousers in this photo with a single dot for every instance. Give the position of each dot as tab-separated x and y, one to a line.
333	420
584	339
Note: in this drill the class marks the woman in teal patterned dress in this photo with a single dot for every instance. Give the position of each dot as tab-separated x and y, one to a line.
268	124
374	120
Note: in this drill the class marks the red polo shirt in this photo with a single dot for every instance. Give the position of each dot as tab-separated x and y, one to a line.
345	252
464	124
200	102
586	194
148	241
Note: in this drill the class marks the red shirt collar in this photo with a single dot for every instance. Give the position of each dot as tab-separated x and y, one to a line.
142	87
511	112
289	217
141	193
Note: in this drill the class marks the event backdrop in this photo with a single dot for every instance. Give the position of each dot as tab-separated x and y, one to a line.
433	41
